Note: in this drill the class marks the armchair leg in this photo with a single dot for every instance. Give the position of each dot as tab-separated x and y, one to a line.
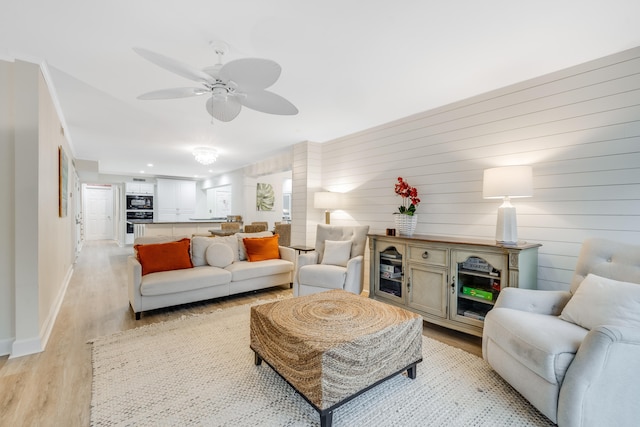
138	316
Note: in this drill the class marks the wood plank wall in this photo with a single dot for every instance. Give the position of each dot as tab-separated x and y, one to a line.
579	128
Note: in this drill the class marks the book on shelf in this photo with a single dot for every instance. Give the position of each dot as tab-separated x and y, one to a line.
390	255
478	293
472	315
477	264
390	268
389	275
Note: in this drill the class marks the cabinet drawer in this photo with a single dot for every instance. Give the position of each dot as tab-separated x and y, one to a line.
428	255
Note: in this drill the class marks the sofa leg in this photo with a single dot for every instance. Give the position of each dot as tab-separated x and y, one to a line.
138	316
290	285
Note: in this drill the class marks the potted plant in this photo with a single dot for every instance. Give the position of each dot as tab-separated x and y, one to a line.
406	218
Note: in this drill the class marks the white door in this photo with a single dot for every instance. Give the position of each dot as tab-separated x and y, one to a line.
99	212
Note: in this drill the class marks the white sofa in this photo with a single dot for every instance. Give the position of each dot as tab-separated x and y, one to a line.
229	274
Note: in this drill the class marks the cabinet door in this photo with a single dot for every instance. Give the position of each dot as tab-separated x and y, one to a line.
427	289
477	280
187	196
146	188
167	195
389	272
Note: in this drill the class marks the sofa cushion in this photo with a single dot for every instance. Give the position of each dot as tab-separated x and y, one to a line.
242	253
323	276
261	248
544	344
601	301
243	270
336	252
219	255
157	257
169	282
199	245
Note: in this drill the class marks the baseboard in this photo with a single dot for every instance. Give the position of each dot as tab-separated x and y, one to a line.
34	345
5	346
47	327
26	347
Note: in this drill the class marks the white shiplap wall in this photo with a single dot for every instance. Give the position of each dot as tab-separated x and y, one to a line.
579	128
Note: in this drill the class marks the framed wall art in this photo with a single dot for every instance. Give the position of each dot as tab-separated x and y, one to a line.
265	197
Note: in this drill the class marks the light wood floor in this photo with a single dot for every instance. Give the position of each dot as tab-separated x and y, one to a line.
53	388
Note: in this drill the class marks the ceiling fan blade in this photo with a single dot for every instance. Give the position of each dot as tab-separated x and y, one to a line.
174	66
268	102
224	109
178	92
251	73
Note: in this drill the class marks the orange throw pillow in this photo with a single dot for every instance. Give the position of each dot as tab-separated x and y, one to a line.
156	257
262	248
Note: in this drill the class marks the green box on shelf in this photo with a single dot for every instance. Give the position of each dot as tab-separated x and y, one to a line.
478	293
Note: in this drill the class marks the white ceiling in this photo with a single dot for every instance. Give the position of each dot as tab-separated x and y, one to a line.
347	65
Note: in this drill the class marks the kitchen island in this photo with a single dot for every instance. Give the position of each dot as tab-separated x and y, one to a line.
182	228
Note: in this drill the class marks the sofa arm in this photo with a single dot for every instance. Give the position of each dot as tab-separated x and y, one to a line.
603	381
533	301
301	261
355	269
287	253
134	279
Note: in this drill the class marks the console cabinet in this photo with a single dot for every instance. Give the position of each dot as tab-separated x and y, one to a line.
450	281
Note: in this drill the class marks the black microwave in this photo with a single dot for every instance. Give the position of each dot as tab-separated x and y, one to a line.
139	203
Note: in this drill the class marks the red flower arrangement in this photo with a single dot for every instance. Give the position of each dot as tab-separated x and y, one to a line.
409	196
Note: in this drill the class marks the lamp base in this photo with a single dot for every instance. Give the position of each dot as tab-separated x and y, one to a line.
507	227
327	217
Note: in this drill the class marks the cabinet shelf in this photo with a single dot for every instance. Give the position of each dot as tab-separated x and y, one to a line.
476	299
479	273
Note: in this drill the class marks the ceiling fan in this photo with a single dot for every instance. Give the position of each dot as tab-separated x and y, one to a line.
241	82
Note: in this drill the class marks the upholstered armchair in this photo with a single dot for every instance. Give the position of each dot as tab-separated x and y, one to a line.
575	355
336	263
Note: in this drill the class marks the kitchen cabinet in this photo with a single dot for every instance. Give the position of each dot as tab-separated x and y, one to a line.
452	282
176	200
139	188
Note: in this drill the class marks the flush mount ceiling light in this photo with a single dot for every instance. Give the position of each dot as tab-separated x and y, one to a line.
205	155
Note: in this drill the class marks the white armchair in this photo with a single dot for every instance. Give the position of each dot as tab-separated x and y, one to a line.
575	355
337	263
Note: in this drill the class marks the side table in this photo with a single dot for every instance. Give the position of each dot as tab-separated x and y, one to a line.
301	248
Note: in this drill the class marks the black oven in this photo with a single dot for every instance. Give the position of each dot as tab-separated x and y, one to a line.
139	203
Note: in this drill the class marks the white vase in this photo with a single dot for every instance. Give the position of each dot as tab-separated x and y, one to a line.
405	224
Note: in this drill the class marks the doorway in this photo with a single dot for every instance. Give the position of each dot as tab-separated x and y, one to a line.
98	208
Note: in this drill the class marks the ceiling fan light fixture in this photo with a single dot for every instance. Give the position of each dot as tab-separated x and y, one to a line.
205	155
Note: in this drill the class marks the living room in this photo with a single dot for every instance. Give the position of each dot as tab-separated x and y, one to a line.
577	127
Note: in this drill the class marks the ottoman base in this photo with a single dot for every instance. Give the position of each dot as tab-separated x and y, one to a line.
326	415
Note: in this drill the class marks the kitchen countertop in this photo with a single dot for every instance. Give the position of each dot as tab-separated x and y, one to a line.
191	221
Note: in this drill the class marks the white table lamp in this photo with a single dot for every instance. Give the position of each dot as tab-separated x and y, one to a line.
326	200
507	183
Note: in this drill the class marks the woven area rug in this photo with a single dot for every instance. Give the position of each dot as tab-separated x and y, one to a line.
199	371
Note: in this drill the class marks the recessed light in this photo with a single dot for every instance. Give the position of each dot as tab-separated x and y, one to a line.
150	165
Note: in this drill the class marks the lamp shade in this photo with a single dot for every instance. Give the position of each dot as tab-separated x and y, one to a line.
326	200
508	181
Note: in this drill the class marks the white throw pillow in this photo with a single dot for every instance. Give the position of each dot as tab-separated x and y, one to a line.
601	301
336	252
230	241
242	252
219	255
199	245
